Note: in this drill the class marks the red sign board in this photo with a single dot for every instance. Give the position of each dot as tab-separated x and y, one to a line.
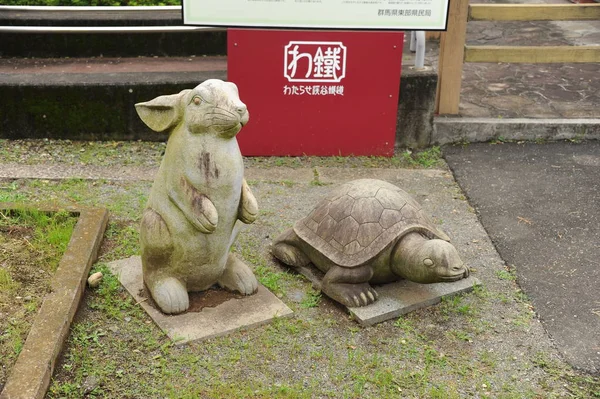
317	92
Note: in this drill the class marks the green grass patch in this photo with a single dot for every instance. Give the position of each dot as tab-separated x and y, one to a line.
316	181
6	281
508	275
311	300
10	193
270	279
51	232
149	154
115	303
428	158
32	243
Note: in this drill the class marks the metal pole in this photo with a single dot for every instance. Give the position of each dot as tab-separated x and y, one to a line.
420	56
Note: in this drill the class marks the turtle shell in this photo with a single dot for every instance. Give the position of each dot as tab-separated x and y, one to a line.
359	219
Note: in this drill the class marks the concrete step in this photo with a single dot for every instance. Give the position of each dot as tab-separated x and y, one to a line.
86	16
48	45
93	98
48	42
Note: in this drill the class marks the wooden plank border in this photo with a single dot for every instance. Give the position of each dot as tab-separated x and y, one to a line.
533	12
31	374
532	54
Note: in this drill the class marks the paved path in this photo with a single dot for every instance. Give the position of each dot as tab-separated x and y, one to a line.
540	204
529	90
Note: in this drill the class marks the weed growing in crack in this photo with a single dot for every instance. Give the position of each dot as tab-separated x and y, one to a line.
316	181
311	300
428	158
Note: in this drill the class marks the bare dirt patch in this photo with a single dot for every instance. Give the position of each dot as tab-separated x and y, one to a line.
210	298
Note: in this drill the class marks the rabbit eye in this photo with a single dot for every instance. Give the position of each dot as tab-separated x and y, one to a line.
428	262
197	100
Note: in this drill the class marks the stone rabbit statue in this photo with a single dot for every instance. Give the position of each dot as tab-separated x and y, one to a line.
198	196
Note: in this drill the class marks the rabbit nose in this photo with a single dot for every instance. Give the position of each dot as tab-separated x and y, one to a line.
241	109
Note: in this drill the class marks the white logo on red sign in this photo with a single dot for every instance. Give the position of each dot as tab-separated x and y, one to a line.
315	61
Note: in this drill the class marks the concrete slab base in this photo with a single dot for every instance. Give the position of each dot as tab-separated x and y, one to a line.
396	299
221	314
450	130
401	297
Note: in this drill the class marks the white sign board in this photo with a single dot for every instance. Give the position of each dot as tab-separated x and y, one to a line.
319	14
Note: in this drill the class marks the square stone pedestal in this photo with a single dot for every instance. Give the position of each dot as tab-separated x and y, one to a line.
401	297
221	314
397	298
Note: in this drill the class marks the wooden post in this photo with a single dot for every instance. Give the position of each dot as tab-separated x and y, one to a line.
452	45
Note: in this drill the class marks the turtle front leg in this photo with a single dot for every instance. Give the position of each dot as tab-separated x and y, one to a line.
349	286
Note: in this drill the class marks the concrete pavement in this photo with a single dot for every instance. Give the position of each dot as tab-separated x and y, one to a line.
540	205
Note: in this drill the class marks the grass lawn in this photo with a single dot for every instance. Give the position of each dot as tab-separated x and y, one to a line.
485	344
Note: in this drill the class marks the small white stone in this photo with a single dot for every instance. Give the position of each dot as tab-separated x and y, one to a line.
94	279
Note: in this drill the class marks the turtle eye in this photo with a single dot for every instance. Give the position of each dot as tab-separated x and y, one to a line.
428	262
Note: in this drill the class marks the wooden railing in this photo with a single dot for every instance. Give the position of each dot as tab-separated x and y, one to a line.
454	52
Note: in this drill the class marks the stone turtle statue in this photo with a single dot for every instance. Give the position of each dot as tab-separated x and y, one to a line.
198	196
369	231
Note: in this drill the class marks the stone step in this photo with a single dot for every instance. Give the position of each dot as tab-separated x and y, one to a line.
115	43
86	16
47	45
92	98
51	71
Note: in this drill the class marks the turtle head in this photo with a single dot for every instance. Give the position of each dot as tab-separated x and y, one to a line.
428	261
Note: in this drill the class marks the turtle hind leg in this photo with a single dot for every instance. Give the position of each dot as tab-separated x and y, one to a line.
286	249
350	286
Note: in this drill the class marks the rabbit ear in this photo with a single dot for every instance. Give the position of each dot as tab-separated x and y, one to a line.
163	112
